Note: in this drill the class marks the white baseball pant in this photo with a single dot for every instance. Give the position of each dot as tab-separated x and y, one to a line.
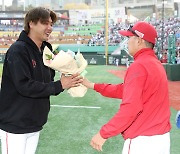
19	143
156	144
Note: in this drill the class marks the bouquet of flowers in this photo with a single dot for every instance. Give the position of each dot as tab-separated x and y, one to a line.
67	63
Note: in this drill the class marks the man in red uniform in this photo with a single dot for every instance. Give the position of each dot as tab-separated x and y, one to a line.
143	118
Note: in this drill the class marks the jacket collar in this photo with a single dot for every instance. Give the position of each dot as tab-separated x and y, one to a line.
144	51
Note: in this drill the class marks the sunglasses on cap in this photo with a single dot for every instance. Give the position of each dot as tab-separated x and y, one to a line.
135	32
132	31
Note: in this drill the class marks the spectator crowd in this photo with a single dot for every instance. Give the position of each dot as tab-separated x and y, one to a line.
164	28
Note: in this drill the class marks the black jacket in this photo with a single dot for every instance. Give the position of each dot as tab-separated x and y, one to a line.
26	87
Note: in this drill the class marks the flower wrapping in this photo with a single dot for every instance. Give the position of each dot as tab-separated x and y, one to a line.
65	63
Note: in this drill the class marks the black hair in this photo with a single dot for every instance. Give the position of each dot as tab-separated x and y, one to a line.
38	14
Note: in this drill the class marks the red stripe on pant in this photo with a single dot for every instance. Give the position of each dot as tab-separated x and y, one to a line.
7	143
129	147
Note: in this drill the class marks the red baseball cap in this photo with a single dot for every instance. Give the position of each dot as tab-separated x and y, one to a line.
141	29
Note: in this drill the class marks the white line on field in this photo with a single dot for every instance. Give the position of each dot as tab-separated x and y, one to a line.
87	107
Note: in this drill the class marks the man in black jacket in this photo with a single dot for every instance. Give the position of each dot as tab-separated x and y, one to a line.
27	85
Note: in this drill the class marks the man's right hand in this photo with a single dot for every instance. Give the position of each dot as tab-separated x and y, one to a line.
71	81
88	84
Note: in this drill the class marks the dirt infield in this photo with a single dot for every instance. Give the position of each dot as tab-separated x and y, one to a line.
174	89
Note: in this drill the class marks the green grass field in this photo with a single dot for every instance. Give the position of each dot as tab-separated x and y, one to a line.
69	130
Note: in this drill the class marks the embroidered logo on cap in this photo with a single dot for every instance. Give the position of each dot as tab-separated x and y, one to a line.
141	35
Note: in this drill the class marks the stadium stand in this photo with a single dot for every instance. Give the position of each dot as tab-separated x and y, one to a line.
83	29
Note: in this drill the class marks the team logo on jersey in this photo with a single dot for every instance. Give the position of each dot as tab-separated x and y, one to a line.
33	63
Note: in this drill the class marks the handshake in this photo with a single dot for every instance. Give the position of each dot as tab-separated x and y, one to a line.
67	63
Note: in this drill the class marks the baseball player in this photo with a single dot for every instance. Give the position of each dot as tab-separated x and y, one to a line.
143	118
27	85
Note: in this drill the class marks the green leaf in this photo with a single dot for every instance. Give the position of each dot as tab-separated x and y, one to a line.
48	57
55	52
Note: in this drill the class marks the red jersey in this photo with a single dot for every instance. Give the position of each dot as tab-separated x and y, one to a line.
145	109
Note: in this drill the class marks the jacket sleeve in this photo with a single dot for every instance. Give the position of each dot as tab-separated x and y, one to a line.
131	106
109	90
19	67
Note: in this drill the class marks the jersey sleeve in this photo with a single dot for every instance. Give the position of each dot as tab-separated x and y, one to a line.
109	90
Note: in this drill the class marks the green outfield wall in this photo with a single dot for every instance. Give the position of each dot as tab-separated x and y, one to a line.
95	55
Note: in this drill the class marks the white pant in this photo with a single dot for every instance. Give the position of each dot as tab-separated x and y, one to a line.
157	144
19	143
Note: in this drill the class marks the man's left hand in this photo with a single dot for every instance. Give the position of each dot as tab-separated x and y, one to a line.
97	142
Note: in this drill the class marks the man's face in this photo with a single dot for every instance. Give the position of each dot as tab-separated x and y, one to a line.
41	31
132	45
